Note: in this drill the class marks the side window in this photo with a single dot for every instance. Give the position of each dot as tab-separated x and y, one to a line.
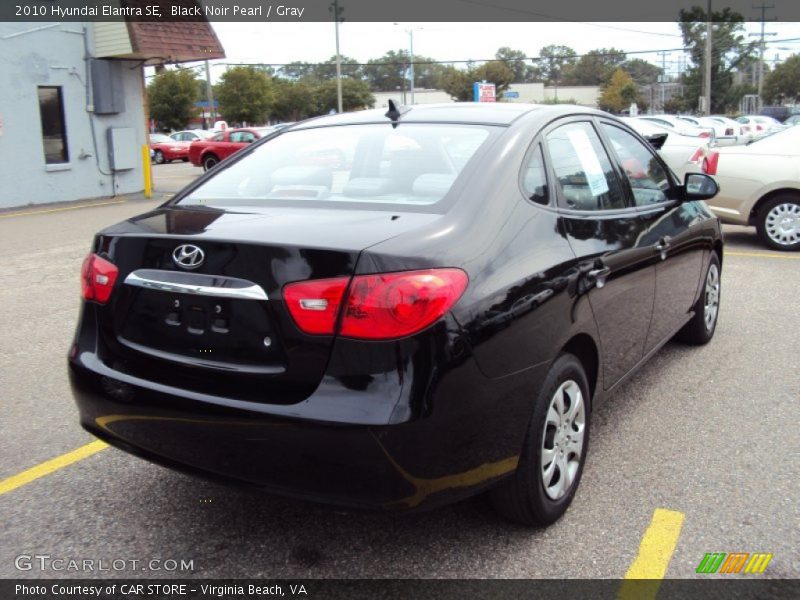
218	138
534	178
649	181
242	137
585	176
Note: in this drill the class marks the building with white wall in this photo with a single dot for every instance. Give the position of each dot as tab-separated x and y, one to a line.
73	121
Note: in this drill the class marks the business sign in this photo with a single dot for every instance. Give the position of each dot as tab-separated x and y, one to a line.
483	92
510	94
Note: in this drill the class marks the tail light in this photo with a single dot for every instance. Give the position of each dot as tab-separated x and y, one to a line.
97	278
759	128
698	154
376	307
710	165
704	134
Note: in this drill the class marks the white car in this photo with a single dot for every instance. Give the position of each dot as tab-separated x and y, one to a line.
726	133
191	135
678	125
759	185
757	124
682	153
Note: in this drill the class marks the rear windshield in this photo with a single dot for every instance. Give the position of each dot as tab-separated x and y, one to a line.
411	164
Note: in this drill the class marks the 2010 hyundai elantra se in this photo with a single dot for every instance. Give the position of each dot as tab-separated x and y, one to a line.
397	309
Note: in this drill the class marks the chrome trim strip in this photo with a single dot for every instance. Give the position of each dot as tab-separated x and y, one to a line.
246	290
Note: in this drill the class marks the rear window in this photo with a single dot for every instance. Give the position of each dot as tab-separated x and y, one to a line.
411	164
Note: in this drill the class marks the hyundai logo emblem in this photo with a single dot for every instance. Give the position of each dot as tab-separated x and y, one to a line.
188	256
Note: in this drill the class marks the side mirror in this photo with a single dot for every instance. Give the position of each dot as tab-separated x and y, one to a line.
699	186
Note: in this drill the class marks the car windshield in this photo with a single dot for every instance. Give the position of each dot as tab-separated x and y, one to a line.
409	164
159	138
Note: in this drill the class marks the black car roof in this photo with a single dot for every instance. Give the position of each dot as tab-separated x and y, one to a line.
494	113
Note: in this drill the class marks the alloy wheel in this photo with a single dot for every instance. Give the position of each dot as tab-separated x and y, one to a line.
711	304
782	224
562	439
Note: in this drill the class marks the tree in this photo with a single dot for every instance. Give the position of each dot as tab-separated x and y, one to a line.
642	72
784	81
594	67
245	94
296	70
728	51
620	92
387	73
517	62
356	95
553	60
172	96
294	100
459	83
327	69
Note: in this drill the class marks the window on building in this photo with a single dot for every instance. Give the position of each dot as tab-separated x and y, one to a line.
54	131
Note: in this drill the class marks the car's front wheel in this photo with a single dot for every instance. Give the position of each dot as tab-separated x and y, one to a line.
552	459
209	161
779	222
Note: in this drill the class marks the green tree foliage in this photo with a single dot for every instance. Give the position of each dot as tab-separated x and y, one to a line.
172	95
554	60
356	95
294	100
783	83
387	73
297	70
245	94
458	83
620	92
517	62
593	68
729	50
642	72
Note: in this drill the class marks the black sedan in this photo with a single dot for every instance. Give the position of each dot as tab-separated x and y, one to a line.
397	309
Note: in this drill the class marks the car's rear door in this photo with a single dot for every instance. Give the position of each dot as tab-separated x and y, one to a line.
672	231
603	230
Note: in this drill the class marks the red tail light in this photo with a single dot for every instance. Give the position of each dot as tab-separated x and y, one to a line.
759	128
377	307
710	165
97	278
314	305
704	134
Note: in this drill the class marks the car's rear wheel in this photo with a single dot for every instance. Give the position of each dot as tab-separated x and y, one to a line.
700	329
779	222
209	161
552	459
158	157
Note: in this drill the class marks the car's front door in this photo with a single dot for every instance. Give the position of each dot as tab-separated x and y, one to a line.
672	231
603	230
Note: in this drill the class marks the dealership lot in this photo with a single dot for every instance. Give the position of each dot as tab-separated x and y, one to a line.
708	432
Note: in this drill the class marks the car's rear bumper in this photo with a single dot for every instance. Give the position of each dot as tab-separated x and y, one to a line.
469	441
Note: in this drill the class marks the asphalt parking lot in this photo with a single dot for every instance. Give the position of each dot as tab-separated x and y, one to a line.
708	433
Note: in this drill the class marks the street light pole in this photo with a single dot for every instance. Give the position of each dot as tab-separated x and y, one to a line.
411	62
336	13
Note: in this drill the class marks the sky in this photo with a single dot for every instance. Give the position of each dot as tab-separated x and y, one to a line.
274	42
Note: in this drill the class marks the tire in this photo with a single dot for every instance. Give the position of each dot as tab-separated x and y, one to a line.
535	494
209	160
158	157
700	329
185	159
778	222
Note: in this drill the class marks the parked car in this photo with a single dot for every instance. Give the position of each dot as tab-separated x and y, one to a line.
792	121
399	330
732	127
760	186
725	134
682	153
757	125
679	125
779	113
191	135
207	153
165	149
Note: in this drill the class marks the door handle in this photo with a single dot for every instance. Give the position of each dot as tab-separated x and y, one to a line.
598	276
662	246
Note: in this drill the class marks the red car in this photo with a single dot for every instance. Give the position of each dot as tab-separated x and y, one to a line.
174	146
207	153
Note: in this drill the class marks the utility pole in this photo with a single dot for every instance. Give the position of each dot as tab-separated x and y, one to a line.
761	48
336	19
212	113
707	64
663	78
411	60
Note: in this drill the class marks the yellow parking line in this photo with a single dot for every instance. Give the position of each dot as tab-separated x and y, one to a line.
763	255
50	466
655	551
25	213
